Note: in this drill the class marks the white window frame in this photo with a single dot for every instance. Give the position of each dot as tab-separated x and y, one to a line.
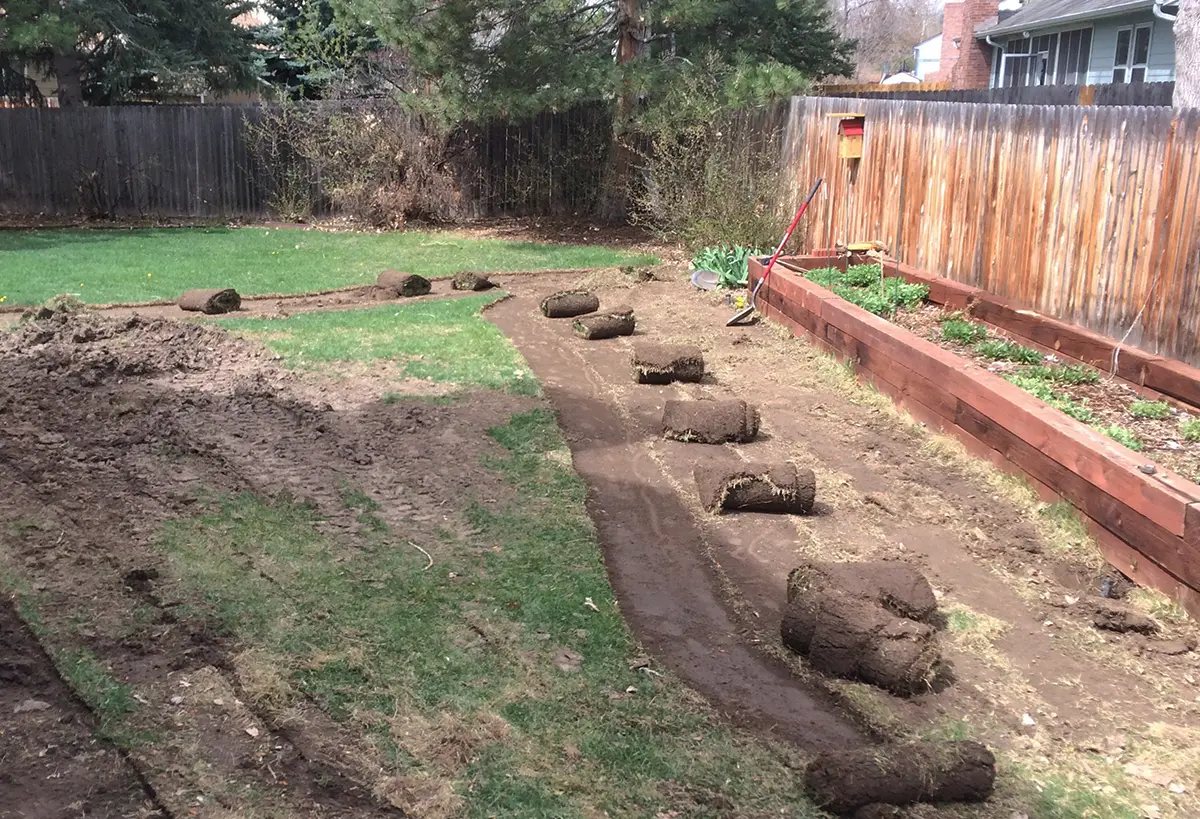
1000	70
1129	66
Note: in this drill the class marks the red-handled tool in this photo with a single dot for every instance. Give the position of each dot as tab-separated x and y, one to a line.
744	314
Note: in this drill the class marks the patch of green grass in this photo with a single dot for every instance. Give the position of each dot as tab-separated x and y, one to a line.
1190	429
961	331
999	349
1123	436
109	700
140	265
375	638
1156	410
441	340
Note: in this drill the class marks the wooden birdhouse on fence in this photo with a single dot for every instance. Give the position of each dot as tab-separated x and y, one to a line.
850	134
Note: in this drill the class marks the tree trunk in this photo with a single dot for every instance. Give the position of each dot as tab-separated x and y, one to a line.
618	177
67	68
1187	55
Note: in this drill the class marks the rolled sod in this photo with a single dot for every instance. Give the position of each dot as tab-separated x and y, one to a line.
710	422
212	302
394	284
864	621
780	487
664	363
570	303
466	280
901	774
606	324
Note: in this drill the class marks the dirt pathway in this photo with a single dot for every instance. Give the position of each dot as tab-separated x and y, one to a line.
1032	675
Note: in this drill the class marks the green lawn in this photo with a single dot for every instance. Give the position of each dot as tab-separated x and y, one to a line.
441	340
104	266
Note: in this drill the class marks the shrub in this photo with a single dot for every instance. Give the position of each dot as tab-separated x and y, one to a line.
1190	429
727	261
1123	436
999	349
1156	410
863	275
962	332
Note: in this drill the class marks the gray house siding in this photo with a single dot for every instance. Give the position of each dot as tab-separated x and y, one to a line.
1160	67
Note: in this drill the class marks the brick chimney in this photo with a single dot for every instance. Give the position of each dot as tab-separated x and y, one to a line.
970	61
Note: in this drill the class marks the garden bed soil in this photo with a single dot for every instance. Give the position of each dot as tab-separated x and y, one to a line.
1108	399
1018	595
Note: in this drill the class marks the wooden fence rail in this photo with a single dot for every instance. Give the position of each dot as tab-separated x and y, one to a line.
1088	214
1147	93
199	161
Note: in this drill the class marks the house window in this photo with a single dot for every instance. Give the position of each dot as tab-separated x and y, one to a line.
1047	59
1133	52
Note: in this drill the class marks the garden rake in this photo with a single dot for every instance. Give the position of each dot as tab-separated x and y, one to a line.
745	314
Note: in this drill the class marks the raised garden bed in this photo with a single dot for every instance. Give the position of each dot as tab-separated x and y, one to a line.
1145	516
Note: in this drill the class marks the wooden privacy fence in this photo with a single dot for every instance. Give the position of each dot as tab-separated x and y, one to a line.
1087	214
199	162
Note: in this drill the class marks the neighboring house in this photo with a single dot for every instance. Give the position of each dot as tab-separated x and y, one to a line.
902	78
986	43
1081	42
927	57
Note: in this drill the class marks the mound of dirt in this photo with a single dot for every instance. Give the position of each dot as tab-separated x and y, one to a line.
467	280
864	622
392	284
608	324
570	303
710	422
211	302
751	487
89	349
842	782
664	363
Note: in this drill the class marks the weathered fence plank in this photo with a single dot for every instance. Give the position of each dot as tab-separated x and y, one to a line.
1088	214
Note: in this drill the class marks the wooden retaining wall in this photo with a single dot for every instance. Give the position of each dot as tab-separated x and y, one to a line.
1147	526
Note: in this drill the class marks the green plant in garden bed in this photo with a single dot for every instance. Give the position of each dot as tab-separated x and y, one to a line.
1041	390
1156	410
729	262
866	287
1066	374
1123	436
1190	429
999	349
962	331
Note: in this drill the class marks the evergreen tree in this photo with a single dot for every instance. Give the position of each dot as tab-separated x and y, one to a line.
105	51
313	52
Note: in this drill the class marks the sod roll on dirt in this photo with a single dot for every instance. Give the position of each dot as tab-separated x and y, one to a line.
392	284
212	302
864	621
842	782
467	280
710	422
570	303
733	485
664	363
606	324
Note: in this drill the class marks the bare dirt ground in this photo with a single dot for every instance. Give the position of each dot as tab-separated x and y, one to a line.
109	428
1114	715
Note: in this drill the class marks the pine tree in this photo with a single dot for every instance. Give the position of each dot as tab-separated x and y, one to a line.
104	51
313	52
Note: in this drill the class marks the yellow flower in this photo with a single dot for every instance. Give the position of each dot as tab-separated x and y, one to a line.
3	298
148	275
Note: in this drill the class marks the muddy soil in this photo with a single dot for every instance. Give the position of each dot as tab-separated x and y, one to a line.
108	428
1032	676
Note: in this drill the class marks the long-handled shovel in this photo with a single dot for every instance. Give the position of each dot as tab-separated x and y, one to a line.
745	314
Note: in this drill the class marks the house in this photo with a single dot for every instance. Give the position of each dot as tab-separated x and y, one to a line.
902	78
927	57
986	44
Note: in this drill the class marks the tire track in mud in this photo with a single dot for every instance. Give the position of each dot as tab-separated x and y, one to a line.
654	552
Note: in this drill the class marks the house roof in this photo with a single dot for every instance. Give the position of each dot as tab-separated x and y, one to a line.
1039	14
